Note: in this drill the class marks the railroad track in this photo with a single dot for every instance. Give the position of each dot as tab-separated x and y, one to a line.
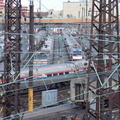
37	99
63	94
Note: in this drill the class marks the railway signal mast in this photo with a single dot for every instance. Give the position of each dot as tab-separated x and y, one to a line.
105	41
11	105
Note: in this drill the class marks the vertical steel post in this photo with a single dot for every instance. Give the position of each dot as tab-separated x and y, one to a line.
31	50
105	44
86	14
31	43
12	42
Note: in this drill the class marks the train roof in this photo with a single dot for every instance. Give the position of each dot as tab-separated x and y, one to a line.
71	41
56	68
48	44
76	49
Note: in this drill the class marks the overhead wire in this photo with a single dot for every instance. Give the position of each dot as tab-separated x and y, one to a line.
40	107
45	79
108	53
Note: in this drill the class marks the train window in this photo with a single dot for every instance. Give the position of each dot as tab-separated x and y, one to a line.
85	64
66	72
55	74
49	75
60	73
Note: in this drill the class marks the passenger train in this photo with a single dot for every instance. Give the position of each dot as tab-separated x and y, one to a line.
42	53
41	57
73	47
57	74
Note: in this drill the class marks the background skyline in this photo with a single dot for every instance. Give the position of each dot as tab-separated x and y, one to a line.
47	4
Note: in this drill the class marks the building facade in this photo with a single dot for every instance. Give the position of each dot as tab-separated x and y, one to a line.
24	10
77	9
55	13
2	6
81	9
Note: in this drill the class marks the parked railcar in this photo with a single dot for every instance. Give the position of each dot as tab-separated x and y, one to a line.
57	74
42	56
73	47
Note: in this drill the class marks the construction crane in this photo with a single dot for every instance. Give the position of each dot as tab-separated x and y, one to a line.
105	41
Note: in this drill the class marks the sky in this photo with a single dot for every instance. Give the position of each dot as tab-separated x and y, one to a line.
47	4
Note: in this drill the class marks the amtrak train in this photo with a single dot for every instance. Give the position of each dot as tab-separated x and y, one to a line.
42	57
51	76
73	47
57	74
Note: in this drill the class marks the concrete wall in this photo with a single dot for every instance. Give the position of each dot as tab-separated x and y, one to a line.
83	82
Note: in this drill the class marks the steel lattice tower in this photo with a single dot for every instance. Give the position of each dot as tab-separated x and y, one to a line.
104	46
12	59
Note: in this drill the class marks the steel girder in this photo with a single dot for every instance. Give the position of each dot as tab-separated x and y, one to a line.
12	42
104	62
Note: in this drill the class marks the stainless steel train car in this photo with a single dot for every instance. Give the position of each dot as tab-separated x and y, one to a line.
52	75
57	73
73	47
41	58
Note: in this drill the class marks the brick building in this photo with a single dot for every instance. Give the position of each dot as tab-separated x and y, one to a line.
24	10
2	5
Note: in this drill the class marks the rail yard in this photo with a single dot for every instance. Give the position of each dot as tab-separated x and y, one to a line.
60	69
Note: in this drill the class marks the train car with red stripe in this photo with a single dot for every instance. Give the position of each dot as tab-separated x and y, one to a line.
73	47
52	75
42	57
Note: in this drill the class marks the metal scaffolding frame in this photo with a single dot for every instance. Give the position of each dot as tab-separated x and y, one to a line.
105	42
12	50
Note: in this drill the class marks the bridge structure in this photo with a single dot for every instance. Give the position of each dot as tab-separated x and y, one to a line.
58	20
53	20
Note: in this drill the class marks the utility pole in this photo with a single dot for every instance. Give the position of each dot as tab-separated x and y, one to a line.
31	50
86	14
11	105
105	41
39	11
39	5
